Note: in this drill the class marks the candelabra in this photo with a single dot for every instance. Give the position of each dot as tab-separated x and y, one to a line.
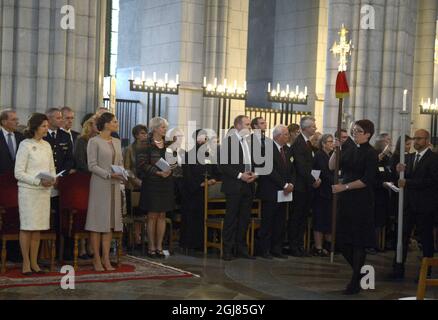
154	88
287	99
428	108
225	95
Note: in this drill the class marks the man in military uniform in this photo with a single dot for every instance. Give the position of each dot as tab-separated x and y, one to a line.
62	148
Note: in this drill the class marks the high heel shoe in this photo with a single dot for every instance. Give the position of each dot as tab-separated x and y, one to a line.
160	254
152	254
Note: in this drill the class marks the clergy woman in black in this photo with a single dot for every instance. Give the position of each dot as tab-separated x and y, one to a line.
355	224
192	218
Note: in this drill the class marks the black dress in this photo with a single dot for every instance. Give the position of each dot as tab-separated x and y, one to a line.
157	193
322	204
356	207
192	218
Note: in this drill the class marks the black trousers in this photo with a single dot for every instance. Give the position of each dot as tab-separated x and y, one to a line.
298	218
237	216
272	227
424	221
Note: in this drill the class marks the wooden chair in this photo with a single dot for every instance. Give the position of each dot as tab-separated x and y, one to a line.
214	215
74	190
10	220
423	282
142	218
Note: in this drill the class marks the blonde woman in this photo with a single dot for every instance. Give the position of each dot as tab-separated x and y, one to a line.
89	130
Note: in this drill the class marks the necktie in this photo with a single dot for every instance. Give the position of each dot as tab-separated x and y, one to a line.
11	146
283	156
417	159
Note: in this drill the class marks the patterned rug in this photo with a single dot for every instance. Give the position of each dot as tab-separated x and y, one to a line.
132	268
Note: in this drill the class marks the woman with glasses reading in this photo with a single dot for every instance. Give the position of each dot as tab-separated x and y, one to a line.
355	224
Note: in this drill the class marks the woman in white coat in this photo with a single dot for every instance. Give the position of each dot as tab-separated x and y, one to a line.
34	156
104	205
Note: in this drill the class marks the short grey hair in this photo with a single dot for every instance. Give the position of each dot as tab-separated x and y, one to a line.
324	138
157	122
278	130
51	111
4	115
307	122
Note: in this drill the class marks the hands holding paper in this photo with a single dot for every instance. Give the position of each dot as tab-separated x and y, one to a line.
289	189
316	174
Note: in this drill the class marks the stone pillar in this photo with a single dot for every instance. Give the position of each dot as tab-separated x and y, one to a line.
43	65
381	66
191	38
424	61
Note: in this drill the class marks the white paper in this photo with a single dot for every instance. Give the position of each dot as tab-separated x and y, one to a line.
392	186
48	175
163	165
121	171
316	174
283	198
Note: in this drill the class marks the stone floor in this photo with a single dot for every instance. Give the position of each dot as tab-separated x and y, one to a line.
296	278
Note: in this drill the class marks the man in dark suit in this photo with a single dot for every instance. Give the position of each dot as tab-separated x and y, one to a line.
281	178
239	188
68	117
303	155
10	140
421	185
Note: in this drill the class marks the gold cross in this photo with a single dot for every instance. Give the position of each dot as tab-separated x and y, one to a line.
343	49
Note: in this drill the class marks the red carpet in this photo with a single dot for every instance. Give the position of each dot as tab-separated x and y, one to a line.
131	269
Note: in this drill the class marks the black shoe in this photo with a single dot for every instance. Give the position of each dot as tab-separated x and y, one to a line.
352	289
371	251
298	252
320	253
160	254
245	255
152	254
266	256
227	257
279	255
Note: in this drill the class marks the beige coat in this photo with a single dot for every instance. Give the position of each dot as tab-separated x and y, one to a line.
99	154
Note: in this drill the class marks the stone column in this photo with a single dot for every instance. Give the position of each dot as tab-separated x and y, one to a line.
43	65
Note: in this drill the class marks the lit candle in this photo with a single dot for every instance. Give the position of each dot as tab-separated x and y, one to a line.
215	82
405	93
155	77
305	91
269	87
166	78
278	87
244	86
297	90
142	76
235	85
287	89
205	82
132	74
225	83
177	79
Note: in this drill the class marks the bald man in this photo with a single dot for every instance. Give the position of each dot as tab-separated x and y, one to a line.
421	185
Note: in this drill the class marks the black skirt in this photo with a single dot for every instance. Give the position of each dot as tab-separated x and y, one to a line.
157	194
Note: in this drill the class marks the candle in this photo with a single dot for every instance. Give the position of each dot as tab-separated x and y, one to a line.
405	93
297	90
215	82
166	78
269	87
205	82
142	76
177	79
225	83
278	87
155	77
305	91
132	74
287	89
235	85
244	86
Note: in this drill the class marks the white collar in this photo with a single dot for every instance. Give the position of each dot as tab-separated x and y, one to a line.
55	131
278	146
241	139
305	138
5	132
68	131
421	153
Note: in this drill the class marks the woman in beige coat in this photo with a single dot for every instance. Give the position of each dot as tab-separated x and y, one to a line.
104	204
